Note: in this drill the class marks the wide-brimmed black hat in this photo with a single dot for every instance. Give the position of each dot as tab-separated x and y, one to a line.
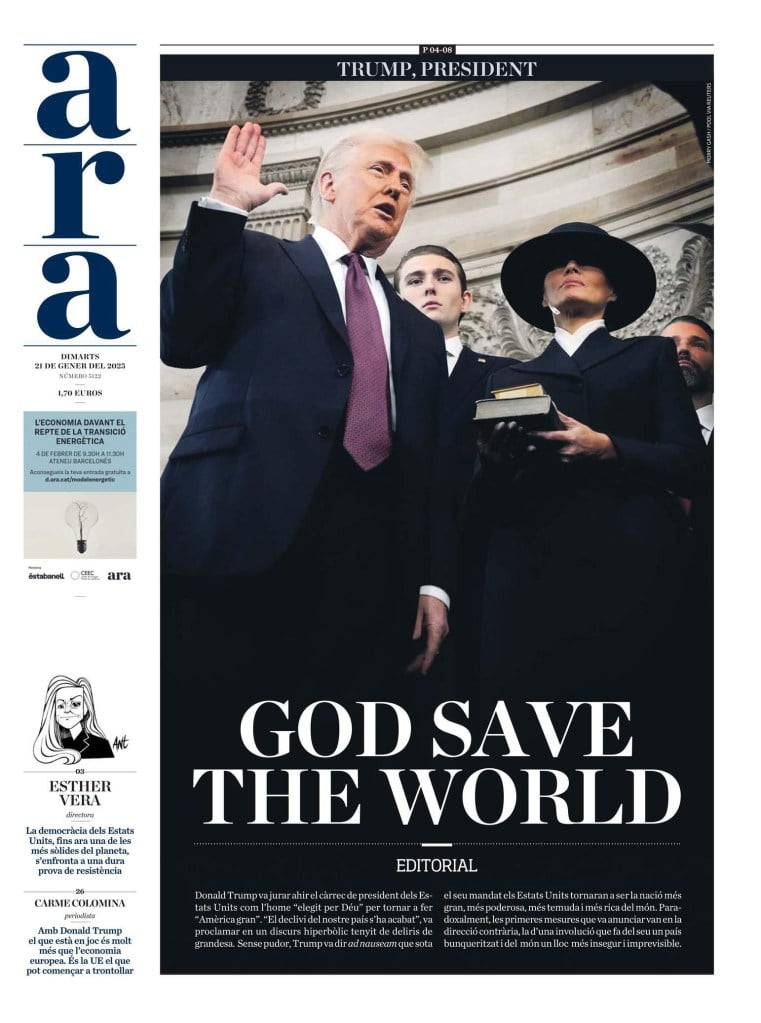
629	271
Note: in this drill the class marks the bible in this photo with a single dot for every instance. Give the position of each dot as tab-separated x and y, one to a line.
527	404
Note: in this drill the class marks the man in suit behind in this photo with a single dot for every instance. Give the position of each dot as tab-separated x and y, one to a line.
693	339
308	495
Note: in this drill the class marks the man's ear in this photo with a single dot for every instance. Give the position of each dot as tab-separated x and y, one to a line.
328	186
465	302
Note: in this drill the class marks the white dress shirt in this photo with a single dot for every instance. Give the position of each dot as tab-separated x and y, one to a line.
705	415
570	343
454	347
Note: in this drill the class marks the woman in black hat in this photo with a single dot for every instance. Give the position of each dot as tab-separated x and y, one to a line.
584	526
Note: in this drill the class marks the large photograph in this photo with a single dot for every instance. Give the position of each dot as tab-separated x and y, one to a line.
437	422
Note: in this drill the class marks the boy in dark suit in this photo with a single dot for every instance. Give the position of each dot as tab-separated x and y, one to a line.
433	279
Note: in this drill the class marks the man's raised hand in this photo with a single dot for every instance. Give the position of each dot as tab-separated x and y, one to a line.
237	174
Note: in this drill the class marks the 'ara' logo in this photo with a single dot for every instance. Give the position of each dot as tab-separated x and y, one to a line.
118	575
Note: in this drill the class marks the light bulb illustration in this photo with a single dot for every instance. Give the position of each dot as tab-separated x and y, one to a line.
81	516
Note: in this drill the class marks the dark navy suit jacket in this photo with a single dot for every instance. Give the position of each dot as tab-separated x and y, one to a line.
467	385
265	318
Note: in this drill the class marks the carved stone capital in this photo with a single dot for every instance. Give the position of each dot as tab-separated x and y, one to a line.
258	96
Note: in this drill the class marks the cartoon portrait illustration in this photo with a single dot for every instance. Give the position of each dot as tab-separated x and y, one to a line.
69	730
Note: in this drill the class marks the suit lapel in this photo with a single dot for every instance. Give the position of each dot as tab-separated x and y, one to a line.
400	340
310	261
599	347
465	376
553	361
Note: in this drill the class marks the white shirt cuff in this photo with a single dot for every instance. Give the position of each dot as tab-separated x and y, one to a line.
216	204
435	591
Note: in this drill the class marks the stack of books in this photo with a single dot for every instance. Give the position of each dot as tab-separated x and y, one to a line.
528	404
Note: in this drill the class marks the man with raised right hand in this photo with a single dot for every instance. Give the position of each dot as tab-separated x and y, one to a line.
308	495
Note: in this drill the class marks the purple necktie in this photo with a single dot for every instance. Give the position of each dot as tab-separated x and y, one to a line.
367	436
